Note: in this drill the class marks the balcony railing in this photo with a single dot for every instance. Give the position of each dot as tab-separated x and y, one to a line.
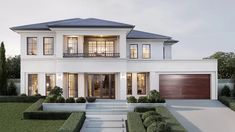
91	55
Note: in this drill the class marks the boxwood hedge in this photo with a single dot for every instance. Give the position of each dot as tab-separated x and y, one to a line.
228	101
73	123
134	122
24	99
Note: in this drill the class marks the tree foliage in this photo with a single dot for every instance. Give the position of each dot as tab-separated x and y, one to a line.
3	72
226	64
13	67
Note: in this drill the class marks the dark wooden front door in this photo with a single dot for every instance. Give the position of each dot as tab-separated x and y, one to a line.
101	86
185	86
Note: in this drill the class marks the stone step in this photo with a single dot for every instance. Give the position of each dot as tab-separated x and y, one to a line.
106	117
104	124
104	130
101	113
107	110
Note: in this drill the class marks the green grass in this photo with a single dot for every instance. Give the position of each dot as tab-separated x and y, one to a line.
11	120
174	124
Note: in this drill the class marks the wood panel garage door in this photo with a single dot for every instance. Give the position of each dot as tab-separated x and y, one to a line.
185	86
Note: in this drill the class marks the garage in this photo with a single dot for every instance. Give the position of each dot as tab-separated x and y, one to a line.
184	86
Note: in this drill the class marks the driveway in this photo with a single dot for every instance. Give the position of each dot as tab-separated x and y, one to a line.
203	115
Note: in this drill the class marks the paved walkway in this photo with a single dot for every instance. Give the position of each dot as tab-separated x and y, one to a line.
203	115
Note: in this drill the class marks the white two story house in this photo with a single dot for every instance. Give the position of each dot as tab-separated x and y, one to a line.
108	60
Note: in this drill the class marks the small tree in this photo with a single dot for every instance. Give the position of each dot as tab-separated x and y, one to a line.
11	89
3	73
225	91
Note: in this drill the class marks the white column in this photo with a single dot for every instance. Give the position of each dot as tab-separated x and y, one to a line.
80	44
122	86
157	81
122	45
153	79
81	86
59	43
214	87
23	80
41	83
134	84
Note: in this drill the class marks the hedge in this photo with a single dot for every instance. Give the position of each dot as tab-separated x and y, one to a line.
34	112
228	101
134	122
143	109
73	123
170	119
23	99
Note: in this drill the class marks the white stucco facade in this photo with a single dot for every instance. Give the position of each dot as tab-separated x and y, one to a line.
160	62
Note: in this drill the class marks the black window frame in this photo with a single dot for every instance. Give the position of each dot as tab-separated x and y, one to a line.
137	48
52	45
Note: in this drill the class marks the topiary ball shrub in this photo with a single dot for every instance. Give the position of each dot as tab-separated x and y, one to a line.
153	95
70	100
131	99
153	118
23	94
50	99
60	99
56	91
161	100
225	91
143	99
159	127
90	99
81	100
149	113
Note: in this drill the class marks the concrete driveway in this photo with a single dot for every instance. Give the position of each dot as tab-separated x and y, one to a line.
203	115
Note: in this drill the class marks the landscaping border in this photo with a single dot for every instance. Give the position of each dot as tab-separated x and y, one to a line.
20	99
134	122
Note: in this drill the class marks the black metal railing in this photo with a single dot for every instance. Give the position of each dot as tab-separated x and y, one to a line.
91	54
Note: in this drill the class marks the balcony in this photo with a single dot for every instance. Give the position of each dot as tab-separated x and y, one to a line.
112	55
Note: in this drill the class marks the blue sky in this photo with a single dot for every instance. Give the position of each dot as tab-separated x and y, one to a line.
202	26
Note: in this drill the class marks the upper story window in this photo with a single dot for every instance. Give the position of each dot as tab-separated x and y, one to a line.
32	46
100	47
133	51
146	51
72	45
48	46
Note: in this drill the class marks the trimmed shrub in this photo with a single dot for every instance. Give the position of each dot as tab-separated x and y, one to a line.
90	99
144	109
233	91
149	113
153	118
56	91
228	101
70	100
37	94
159	127
24	99
131	99
134	122
153	95
23	94
60	99
73	123
81	100
225	91
50	99
35	106
143	99
161	100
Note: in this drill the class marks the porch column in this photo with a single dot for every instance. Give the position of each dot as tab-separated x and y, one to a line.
122	45
134	84
153	81
122	86
81	85
41	84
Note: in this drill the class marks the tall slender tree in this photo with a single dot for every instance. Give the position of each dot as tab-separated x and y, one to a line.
3	72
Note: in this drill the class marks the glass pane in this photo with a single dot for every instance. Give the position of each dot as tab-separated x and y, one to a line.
32	84
31	46
146	51
141	83
129	84
48	46
50	82
72	44
73	86
133	51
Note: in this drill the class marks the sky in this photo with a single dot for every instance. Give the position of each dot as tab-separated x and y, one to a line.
201	26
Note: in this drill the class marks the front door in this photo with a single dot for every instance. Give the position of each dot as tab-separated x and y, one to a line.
101	86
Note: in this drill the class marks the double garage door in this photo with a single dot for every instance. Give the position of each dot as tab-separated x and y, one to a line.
184	86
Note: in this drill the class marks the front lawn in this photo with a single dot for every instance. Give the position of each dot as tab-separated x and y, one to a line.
11	120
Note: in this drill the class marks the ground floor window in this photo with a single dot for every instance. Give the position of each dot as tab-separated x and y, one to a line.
50	82
32	84
129	84
141	83
73	85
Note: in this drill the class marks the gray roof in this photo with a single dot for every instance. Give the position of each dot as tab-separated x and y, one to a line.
135	34
74	23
